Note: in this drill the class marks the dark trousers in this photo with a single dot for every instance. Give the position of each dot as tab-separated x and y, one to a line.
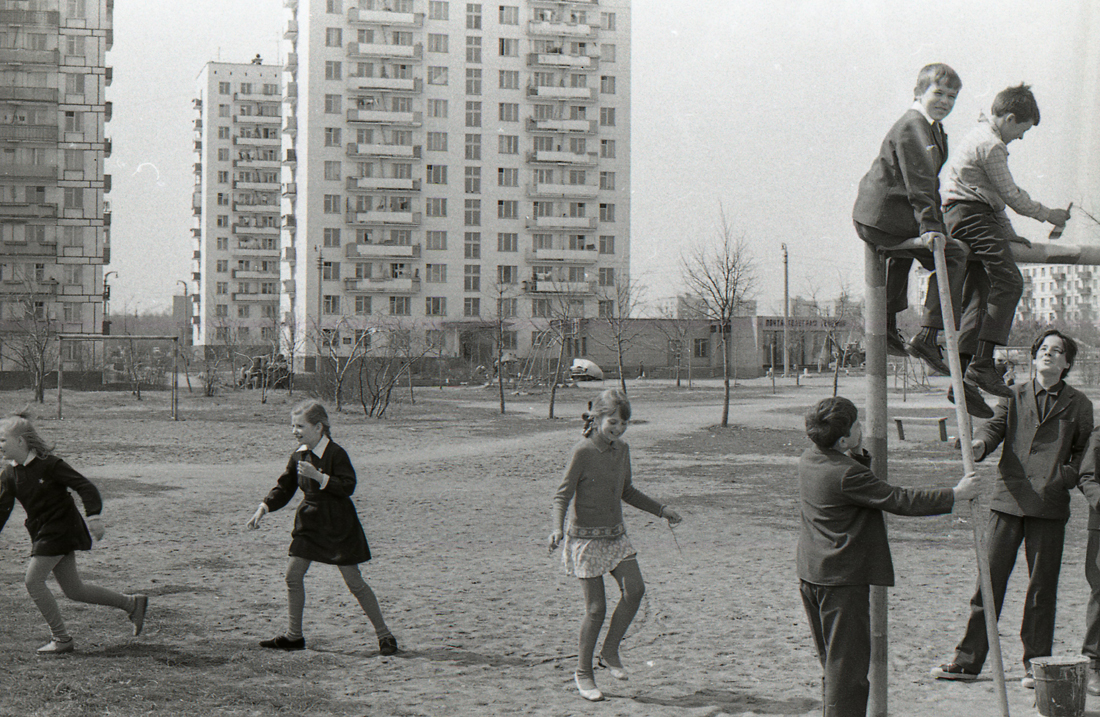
1091	646
897	275
1042	539
840	620
993	284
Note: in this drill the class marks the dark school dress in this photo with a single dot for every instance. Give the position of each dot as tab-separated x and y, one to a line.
53	520
326	526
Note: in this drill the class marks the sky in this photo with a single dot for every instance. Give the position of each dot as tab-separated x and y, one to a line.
769	112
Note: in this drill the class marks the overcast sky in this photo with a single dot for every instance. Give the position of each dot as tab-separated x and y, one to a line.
772	110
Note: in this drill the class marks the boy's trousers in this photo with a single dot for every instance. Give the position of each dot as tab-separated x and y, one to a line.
1091	646
840	620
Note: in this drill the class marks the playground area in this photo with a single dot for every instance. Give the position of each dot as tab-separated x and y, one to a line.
455	500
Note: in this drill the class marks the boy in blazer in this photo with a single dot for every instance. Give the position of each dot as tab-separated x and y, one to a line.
843	548
1090	486
1044	428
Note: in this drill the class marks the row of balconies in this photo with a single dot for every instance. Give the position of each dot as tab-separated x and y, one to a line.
562	190
389	285
50	18
385	17
29	57
258	141
571	94
386	117
586	159
562	29
249	230
384	217
25	209
393	84
559	60
561	222
381	250
28	133
384	150
251	274
365	49
29	171
573	126
257	119
255	296
362	184
28	94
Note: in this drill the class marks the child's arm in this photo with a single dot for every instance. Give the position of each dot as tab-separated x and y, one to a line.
339	480
564	495
919	163
280	495
89	494
641	501
7	497
864	488
995	164
992	432
1071	469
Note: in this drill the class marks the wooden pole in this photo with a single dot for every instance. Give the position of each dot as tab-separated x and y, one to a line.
175	379
60	373
963	420
874	440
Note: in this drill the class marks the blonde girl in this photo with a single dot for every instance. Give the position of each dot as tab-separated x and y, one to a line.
326	526
597	482
41	482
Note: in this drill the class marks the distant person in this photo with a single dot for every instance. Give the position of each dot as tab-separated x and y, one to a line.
1042	430
41	482
1090	486
843	548
976	189
899	199
597	482
326	526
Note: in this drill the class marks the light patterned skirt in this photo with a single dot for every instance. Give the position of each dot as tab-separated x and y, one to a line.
593	557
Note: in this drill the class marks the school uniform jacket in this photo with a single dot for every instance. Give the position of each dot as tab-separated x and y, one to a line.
1089	482
53	521
1040	460
843	537
326	526
900	194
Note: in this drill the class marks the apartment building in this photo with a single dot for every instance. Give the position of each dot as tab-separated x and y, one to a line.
1066	293
450	166
54	218
238	150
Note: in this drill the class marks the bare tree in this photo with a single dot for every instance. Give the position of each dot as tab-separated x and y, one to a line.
722	277
618	304
675	328
389	353
502	318
32	330
565	309
343	345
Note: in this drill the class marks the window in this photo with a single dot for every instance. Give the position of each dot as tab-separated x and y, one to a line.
224	111
334	70
436	207
74	198
223	154
473	147
607	180
607	148
223	199
507	274
435	306
607	21
507	177
438	10
437	75
473	114
332	136
334	7
607	212
435	273
436	174
544	112
607	53
223	133
362	305
243	312
223	243
74	84
401	104
473	80
400	305
607	276
541	308
223	177
473	50
473	180
334	37
473	212
437	141
607	244
509	47
74	121
472	245
578	145
578	177
471	306
471	278
509	112
509	15
507	241
221	287
473	16
701	348
332	171
542	209
607	116
437	108
507	209
333	104
331	237
330	270
606	309
435	240
332	203
224	88
509	79
607	85
438	43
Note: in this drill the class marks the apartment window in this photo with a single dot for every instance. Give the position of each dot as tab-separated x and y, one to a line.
471	306
473	114
607	244
543	144
437	75
223	177
607	212
330	305
606	309
509	112
437	141
607	148
607	116
332	171
701	348
607	53
507	309
541	308
224	111
223	243
334	7
607	180
473	147
271	89
435	207
438	10
435	174
74	84
330	270
74	121
473	180
507	177
509	15
607	276
332	136
222	220
243	312
473	50
578	145
576	274
507	209
542	209
435	273
435	240
223	133
223	199
472	245
578	177
607	21
507	274
362	305
576	209
332	204
333	104
435	306
400	305
473	80
74	198
221	287
473	16
331	237
509	47
471	278
334	37
438	43
607	85
223	154
224	88
437	108
334	70
507	241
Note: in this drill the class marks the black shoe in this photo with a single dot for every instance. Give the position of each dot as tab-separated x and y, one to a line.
954	671
282	642
975	402
985	375
929	353
895	344
387	645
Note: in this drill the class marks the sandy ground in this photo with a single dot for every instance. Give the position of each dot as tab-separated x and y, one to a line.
455	501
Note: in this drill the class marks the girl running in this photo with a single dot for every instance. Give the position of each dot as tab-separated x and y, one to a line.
326	526
597	481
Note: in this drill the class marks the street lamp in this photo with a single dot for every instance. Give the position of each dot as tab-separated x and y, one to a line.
106	330
181	281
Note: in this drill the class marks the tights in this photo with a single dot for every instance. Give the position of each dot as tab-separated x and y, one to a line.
296	596
629	578
64	569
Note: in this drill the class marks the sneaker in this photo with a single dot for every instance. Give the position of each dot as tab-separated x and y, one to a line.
895	344
975	402
387	645
929	353
282	642
1028	681
984	373
954	671
57	647
141	603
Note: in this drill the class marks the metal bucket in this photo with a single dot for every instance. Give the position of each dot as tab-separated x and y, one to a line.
1061	684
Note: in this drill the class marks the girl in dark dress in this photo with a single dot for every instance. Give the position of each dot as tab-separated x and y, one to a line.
41	482
326	526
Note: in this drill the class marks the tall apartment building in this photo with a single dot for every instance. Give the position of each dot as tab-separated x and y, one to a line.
238	147
449	164
1066	293
54	219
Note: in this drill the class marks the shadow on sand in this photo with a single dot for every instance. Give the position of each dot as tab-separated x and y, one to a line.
734	702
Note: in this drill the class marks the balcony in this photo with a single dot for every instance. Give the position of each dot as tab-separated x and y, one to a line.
197	167
588	159
290	4
196	232
563	190
196	255
363	49
28	94
289	286
106	183
197	103
382	251
572	94
29	57
257	141
290	254
255	208
197	146
402	285
32	133
290	126
290	189
363	184
588	255
258	275
255	249
561	29
290	221
291	31
291	92
384	150
108	111
257	163
108	75
291	158
392	84
106	148
385	17
557	60
551	286
291	62
256	186
28	171
576	126
20	209
255	297
246	229
257	119
50	18
561	223
385	117
407	218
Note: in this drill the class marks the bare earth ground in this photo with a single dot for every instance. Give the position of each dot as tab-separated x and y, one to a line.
455	500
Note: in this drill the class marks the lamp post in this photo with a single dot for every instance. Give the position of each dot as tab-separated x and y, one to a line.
106	329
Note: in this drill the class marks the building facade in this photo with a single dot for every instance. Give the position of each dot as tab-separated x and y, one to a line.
236	203
54	217
455	174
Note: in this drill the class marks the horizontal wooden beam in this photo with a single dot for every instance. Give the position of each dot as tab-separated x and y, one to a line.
1037	253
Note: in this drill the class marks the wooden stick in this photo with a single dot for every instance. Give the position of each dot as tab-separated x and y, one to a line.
965	440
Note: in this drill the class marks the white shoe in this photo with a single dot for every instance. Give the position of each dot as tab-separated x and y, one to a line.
53	647
589	691
619	673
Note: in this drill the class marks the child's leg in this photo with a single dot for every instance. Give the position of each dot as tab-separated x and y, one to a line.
295	595
629	576
595	608
68	577
362	592
38	569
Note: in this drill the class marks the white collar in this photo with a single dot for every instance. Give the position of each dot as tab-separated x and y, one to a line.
318	449
920	108
31	455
